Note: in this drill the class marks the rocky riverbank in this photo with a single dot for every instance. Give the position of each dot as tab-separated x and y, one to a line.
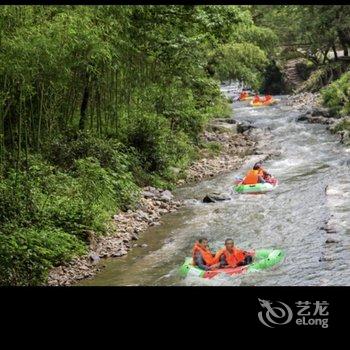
234	143
313	112
124	229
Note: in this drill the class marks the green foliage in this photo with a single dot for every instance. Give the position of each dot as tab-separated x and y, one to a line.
242	60
343	124
310	31
157	145
214	147
27	254
96	101
336	96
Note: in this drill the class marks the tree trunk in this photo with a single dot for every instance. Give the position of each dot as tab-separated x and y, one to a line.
335	53
84	104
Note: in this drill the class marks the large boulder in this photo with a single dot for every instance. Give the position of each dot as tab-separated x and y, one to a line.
321	111
216	197
304	117
313	118
241	128
320	120
148	194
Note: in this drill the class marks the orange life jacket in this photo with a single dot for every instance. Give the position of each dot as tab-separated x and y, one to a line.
252	177
243	94
256	99
233	258
268	98
206	254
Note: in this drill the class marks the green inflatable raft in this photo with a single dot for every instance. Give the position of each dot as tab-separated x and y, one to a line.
257	188
262	259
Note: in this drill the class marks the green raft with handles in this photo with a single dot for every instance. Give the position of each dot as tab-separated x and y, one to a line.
262	259
257	188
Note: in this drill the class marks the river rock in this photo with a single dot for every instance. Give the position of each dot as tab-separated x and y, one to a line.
304	117
154	223
119	253
142	216
326	258
94	258
241	128
166	196
134	236
148	194
332	240
144	245
321	111
216	197
318	119
345	137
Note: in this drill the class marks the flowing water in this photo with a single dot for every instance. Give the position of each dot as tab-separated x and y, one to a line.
306	159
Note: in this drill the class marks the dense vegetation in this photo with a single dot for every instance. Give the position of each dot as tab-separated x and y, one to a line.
336	96
96	102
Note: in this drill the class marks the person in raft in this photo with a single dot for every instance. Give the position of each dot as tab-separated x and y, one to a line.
256	175
256	98
203	257
267	98
230	256
243	95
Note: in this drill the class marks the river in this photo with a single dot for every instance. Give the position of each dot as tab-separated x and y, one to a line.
306	159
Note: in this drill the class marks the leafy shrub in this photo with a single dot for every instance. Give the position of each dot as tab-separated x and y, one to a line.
342	124
27	254
213	146
336	96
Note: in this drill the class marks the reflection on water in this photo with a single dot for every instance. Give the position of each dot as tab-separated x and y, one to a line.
306	160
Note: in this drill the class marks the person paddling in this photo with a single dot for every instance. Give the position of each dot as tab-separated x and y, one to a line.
230	256
203	257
